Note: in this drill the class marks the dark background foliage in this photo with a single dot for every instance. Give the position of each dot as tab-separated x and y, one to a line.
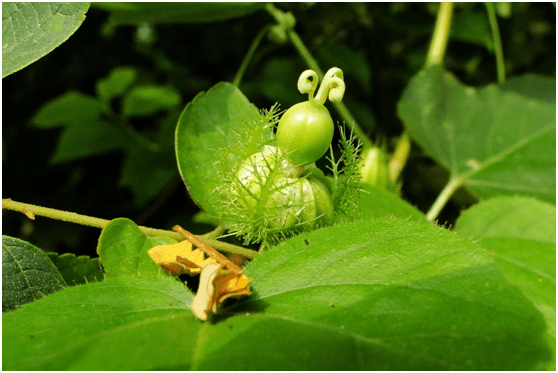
385	43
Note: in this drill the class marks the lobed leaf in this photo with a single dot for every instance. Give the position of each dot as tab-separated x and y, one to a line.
32	30
521	235
495	141
27	274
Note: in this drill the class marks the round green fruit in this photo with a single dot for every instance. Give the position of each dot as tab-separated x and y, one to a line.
305	132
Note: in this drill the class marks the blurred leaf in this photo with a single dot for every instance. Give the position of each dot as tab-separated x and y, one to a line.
353	63
89	138
123	249
69	108
117	83
521	234
375	202
377	294
472	27
32	30
503	8
147	182
77	270
493	141
137	13
90	322
208	125
532	86
147	100
27	274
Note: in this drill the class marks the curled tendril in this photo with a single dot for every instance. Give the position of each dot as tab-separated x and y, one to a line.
332	86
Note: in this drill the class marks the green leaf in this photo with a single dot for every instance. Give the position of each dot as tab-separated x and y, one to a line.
148	100
27	274
472	27
377	294
85	326
404	295
207	127
138	13
148	182
117	83
70	108
521	234
77	270
32	30
91	137
494	141
532	86
375	202
123	249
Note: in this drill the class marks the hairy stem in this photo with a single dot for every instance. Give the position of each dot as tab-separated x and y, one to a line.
90	221
500	67
249	54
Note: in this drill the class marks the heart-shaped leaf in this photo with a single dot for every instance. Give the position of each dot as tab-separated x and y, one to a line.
32	30
208	127
493	140
27	273
123	250
521	234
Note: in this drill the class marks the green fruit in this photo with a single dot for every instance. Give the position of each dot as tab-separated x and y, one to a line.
305	132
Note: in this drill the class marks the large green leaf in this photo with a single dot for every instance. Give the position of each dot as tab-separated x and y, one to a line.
27	274
521	234
208	127
123	250
180	12
495	141
373	295
32	30
77	327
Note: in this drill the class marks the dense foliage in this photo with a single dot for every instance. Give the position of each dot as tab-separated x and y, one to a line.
147	112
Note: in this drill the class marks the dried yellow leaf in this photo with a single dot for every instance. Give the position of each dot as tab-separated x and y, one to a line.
216	285
179	258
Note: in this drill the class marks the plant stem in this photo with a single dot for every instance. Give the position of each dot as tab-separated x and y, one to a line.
90	221
249	54
500	66
399	157
443	198
440	36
